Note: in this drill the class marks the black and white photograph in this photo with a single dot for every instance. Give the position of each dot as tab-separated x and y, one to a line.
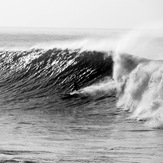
81	81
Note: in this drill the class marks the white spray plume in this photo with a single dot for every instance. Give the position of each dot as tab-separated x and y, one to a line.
142	41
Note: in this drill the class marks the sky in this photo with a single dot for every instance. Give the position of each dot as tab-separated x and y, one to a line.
80	13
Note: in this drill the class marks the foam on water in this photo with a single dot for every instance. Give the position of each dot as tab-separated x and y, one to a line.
140	81
105	88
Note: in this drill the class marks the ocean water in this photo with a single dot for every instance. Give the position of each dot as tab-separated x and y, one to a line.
81	95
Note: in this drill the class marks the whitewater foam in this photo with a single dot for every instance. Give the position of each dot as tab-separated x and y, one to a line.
140	86
105	88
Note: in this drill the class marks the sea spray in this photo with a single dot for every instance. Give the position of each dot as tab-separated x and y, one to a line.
143	42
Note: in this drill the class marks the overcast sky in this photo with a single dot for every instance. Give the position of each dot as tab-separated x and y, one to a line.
80	13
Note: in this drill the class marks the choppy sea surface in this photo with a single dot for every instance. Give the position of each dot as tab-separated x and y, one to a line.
81	95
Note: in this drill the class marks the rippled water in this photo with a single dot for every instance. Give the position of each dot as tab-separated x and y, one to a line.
96	131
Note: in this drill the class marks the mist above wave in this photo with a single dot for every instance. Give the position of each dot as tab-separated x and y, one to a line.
146	43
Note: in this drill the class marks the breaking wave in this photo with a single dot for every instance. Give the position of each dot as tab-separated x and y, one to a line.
137	82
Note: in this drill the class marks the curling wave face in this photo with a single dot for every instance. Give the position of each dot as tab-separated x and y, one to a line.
40	72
